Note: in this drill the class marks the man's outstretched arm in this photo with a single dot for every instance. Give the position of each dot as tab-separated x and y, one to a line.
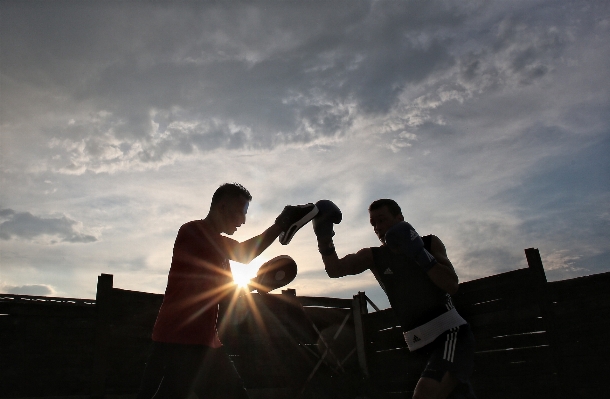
348	265
328	215
244	252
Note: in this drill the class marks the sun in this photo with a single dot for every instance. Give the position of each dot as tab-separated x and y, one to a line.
243	273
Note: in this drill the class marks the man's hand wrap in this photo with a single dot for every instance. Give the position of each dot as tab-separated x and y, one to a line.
403	238
328	214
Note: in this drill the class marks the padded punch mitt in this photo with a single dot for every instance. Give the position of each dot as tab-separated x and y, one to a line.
274	273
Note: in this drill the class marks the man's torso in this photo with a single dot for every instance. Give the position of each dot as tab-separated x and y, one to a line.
413	296
199	269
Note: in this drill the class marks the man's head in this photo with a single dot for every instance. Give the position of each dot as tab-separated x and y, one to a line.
383	214
229	207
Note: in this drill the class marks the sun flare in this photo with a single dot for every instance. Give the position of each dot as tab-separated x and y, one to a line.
243	273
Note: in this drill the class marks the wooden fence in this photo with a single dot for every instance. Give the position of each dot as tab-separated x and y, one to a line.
273	340
46	345
534	339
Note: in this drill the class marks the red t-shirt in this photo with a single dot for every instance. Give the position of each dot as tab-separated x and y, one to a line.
199	278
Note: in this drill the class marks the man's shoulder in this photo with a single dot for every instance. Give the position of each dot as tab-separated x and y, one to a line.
188	226
368	252
371	253
198	228
435	240
198	222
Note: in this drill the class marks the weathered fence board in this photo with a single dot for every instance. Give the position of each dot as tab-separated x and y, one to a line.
581	317
49	340
534	339
506	314
123	337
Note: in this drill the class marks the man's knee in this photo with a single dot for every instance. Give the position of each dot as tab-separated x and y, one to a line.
430	388
426	388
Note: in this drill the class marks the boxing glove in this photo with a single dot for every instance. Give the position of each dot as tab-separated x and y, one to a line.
328	214
403	238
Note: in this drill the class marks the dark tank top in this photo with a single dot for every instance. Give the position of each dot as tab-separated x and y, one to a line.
414	298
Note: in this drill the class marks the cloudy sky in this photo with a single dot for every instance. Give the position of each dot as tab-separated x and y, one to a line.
488	121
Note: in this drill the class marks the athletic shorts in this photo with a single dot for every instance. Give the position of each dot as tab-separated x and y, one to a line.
452	351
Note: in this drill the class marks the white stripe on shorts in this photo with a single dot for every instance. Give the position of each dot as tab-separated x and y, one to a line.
450	345
449	303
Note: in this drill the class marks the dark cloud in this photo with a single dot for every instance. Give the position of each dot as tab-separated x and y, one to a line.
31	289
27	226
125	61
286	73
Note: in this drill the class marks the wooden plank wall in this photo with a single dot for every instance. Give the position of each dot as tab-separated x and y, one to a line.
272	339
581	320
513	355
123	337
46	345
534	338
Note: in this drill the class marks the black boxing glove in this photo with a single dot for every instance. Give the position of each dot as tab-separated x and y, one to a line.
328	215
403	238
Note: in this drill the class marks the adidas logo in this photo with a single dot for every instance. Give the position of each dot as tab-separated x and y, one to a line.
388	271
416	338
413	235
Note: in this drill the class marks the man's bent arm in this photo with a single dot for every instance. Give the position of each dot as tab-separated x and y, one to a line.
348	265
442	273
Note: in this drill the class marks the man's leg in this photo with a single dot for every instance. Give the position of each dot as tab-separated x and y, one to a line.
429	388
217	377
450	364
153	373
181	365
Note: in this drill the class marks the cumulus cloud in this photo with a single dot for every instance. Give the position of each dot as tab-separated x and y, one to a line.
26	226
31	289
301	81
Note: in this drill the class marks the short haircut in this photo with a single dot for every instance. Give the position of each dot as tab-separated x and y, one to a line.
390	203
230	190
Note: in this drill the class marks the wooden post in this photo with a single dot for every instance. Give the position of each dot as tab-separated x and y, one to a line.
534	262
359	308
103	305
